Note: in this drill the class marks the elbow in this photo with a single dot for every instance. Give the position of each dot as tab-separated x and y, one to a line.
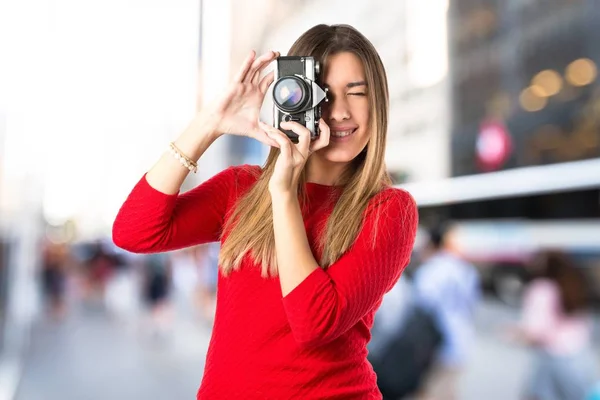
317	335
317	312
125	238
136	239
121	238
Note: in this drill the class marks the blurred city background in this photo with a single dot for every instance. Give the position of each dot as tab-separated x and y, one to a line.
494	124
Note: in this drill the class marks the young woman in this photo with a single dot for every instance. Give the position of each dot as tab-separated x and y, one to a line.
311	241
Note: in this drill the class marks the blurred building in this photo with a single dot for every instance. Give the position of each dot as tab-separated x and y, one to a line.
84	111
525	136
20	188
524	72
525	92
525	111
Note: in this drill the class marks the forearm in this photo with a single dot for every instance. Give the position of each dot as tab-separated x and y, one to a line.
167	175
295	260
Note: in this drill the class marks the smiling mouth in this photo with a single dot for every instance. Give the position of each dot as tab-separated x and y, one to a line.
343	134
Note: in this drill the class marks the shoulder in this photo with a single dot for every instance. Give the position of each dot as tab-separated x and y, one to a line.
231	181
394	210
245	173
395	200
244	177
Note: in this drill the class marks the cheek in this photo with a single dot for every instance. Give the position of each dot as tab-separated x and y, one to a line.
361	117
360	113
364	137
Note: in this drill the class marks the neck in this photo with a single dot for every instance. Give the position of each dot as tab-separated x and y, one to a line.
324	172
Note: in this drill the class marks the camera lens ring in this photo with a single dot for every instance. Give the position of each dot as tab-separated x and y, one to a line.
291	94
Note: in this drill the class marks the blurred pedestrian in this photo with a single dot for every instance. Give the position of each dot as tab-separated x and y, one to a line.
556	322
186	279
54	277
209	270
99	269
449	287
156	291
405	341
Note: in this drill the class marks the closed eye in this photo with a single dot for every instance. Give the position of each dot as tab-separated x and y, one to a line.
357	94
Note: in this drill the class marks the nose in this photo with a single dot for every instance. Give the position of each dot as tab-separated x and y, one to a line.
337	109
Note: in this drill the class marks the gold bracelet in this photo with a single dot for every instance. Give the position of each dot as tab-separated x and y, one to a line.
192	162
183	159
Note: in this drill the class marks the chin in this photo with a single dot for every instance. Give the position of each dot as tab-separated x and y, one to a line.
340	155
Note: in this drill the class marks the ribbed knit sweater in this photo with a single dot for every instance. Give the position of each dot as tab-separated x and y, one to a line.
310	344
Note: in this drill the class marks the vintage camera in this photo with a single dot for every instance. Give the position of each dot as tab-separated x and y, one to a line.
296	95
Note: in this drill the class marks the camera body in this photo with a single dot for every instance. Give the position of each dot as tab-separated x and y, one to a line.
296	94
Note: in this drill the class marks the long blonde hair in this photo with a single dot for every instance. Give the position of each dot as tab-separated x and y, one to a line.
250	225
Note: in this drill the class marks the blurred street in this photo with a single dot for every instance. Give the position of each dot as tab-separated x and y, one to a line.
498	368
93	356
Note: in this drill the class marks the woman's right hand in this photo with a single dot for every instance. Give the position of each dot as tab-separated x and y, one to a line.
238	111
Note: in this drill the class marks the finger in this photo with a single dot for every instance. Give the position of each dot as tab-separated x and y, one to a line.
261	136
283	142
256	65
239	77
303	135
266	139
262	66
323	139
266	81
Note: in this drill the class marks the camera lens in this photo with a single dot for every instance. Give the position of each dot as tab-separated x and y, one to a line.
290	94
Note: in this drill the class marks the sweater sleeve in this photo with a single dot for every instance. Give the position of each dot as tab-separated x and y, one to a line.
329	302
151	221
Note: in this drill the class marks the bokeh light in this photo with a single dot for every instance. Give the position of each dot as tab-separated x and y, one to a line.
581	72
531	100
549	81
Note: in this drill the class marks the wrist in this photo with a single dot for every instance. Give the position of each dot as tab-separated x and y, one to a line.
280	195
198	136
206	125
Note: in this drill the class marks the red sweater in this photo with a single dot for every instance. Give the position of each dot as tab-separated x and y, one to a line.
310	344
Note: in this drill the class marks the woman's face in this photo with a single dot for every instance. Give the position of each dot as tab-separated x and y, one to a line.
347	112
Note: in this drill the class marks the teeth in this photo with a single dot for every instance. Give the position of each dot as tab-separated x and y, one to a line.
342	133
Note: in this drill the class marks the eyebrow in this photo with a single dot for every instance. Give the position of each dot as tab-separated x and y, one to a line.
352	84
355	84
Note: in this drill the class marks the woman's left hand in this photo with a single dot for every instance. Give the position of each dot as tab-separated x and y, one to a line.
292	157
